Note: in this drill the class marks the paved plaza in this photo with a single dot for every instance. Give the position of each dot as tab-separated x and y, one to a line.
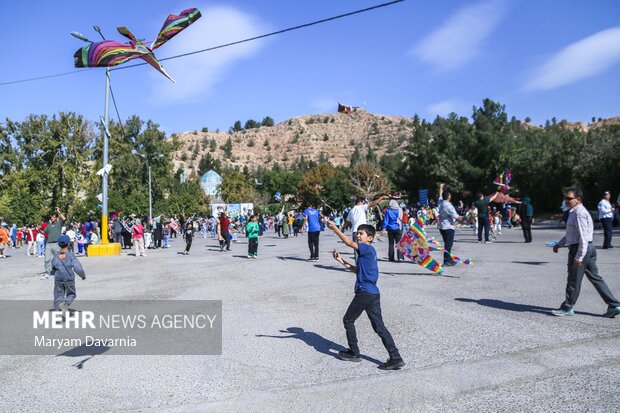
477	339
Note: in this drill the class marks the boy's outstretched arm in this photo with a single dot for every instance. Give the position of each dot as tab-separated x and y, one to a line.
345	264
347	241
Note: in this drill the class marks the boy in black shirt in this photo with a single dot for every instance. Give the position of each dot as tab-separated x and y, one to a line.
367	296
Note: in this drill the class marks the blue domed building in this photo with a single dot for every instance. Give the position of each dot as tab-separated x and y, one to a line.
209	182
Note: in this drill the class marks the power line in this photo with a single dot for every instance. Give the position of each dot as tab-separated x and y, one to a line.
265	35
217	47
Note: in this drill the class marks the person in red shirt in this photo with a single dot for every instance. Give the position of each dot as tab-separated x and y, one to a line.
405	216
31	232
223	235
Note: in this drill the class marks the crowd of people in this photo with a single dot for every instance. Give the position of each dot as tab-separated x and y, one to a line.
60	241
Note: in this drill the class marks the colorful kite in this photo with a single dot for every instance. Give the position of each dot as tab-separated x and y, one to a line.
344	109
503	180
112	53
416	245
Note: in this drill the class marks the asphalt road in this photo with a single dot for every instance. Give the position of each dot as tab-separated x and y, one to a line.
477	339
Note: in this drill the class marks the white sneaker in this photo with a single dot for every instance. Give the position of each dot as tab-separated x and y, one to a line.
64	307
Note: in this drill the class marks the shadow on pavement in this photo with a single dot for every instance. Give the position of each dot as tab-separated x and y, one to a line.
521	308
84	350
292	259
318	343
330	267
530	262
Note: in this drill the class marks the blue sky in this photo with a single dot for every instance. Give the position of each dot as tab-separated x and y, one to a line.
541	59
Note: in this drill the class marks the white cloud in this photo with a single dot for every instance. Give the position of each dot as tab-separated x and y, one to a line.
586	58
443	108
324	105
196	75
460	38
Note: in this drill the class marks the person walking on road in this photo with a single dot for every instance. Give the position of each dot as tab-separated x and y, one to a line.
581	257
312	218
447	217
53	230
527	214
482	205
606	215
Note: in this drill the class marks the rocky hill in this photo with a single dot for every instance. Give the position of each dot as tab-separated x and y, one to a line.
331	136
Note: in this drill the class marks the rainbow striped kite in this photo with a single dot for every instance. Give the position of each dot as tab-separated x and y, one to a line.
112	53
502	181
416	245
344	109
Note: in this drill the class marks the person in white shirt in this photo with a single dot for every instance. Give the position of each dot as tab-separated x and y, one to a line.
357	215
606	215
581	257
71	234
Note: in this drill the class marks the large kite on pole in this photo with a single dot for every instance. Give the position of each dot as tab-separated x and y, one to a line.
112	53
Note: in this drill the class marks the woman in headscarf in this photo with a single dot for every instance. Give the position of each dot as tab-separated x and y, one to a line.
392	222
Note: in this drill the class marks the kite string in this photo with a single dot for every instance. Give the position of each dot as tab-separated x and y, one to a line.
301	26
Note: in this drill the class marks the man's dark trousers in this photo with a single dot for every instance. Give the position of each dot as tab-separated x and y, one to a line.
608	231
313	243
370	303
448	240
575	277
483	223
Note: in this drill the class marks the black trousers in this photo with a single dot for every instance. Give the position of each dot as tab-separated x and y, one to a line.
371	303
575	277
252	246
188	243
448	241
393	238
127	240
608	231
226	241
313	243
483	223
526	226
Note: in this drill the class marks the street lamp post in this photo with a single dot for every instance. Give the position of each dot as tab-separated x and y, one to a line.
150	197
149	160
104	212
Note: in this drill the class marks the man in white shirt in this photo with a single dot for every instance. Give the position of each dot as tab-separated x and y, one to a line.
606	215
357	215
581	257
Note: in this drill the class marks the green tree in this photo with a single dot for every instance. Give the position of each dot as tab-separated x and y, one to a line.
236	187
207	163
227	148
267	121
